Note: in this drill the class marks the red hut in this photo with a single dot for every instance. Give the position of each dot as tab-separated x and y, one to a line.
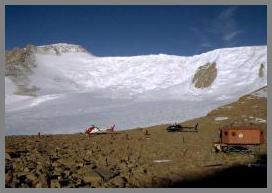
241	136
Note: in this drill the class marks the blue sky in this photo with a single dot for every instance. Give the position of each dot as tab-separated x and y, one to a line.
137	30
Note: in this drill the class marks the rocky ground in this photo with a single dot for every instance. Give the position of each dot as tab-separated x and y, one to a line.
141	157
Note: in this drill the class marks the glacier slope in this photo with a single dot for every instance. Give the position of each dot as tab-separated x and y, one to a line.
77	89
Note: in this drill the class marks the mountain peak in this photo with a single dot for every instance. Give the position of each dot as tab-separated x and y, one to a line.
60	48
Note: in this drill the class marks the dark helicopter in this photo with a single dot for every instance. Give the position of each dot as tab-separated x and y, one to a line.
179	128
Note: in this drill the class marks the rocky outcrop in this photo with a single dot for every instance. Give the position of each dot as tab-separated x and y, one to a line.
261	71
59	49
205	75
20	61
19	64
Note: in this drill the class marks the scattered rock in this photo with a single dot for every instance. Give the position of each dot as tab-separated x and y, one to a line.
54	158
8	166
31	180
65	146
161	182
7	156
12	153
23	185
79	165
66	173
118	181
54	184
39	185
92	179
89	176
55	174
64	183
8	177
55	164
129	163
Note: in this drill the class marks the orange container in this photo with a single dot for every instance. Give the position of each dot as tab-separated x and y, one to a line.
242	136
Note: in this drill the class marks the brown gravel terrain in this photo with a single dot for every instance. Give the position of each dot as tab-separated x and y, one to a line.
141	157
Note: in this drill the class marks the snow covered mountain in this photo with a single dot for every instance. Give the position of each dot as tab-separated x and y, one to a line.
62	88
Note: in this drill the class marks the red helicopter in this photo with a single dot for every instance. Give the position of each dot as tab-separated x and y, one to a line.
96	130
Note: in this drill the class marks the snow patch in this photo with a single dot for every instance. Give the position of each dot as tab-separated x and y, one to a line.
42	99
260	120
261	93
221	118
162	161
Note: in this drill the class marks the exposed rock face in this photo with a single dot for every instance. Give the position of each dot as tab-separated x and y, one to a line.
261	71
20	63
59	49
205	75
